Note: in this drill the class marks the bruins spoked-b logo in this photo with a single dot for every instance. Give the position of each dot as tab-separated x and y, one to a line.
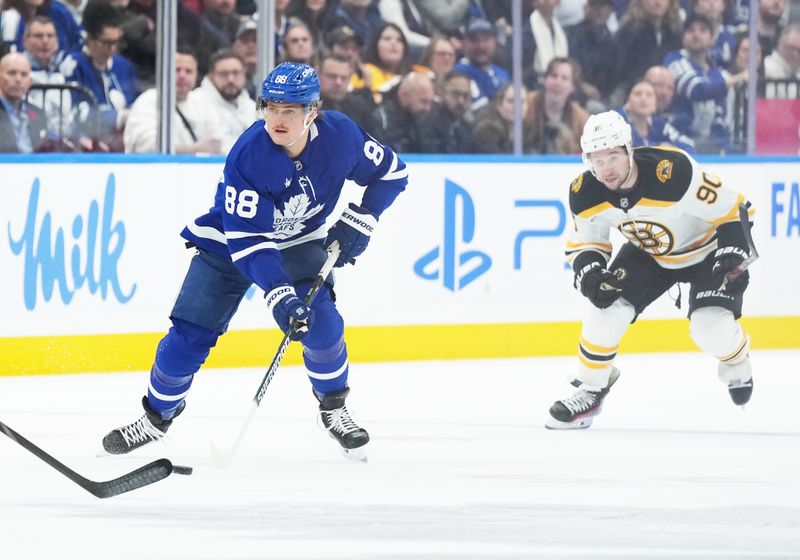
650	237
664	170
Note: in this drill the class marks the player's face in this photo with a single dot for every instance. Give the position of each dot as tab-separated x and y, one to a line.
285	122
611	166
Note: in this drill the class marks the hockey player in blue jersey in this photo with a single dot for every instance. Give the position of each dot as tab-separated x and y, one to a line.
281	181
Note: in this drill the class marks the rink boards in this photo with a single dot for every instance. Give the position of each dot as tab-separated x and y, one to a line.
469	263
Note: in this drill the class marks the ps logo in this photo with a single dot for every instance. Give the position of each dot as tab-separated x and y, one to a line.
470	264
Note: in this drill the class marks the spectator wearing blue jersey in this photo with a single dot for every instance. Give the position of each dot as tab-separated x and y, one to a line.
281	181
16	13
700	103
724	49
108	75
480	45
647	127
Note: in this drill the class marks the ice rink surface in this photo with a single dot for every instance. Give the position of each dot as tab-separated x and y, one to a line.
460	467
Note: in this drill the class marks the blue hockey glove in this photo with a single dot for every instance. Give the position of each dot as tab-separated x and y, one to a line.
352	231
598	284
726	259
291	313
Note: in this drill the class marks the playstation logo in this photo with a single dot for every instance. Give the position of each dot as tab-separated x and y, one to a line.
456	269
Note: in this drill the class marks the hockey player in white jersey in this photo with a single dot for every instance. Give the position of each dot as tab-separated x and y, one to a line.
282	179
682	224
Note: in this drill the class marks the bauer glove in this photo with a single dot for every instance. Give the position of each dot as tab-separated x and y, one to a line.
598	284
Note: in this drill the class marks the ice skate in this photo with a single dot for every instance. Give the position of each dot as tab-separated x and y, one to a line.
149	427
335	418
578	411
739	378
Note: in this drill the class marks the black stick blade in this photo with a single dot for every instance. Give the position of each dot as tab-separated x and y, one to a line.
143	476
148	474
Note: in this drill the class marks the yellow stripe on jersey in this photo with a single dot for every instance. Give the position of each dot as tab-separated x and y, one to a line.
657	203
594	210
733	213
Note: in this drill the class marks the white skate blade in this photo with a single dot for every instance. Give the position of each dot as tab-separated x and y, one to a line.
357	455
579	424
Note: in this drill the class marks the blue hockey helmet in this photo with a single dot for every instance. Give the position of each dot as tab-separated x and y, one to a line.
290	82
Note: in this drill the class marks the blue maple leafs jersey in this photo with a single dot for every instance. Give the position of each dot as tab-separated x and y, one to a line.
267	201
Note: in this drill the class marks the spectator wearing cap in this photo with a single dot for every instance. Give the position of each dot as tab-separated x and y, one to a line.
343	41
22	126
592	46
196	128
224	92
108	75
400	117
334	80
16	14
361	16
548	36
701	90
480	45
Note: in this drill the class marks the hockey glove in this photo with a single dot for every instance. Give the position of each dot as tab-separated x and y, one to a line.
352	231
291	313
598	284
727	259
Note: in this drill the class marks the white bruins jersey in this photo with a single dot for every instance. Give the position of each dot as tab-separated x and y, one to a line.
672	213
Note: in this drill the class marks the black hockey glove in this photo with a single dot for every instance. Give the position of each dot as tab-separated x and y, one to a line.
727	259
598	284
352	231
291	313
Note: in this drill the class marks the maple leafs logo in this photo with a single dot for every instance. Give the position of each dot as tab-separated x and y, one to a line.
296	211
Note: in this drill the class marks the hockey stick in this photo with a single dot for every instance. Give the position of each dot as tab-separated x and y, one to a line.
148	474
733	274
223	458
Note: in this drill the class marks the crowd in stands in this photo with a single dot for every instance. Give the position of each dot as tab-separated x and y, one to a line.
425	76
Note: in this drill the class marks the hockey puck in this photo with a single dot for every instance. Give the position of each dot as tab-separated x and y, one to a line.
178	469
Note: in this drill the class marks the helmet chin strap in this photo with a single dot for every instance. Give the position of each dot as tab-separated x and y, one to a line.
309	119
